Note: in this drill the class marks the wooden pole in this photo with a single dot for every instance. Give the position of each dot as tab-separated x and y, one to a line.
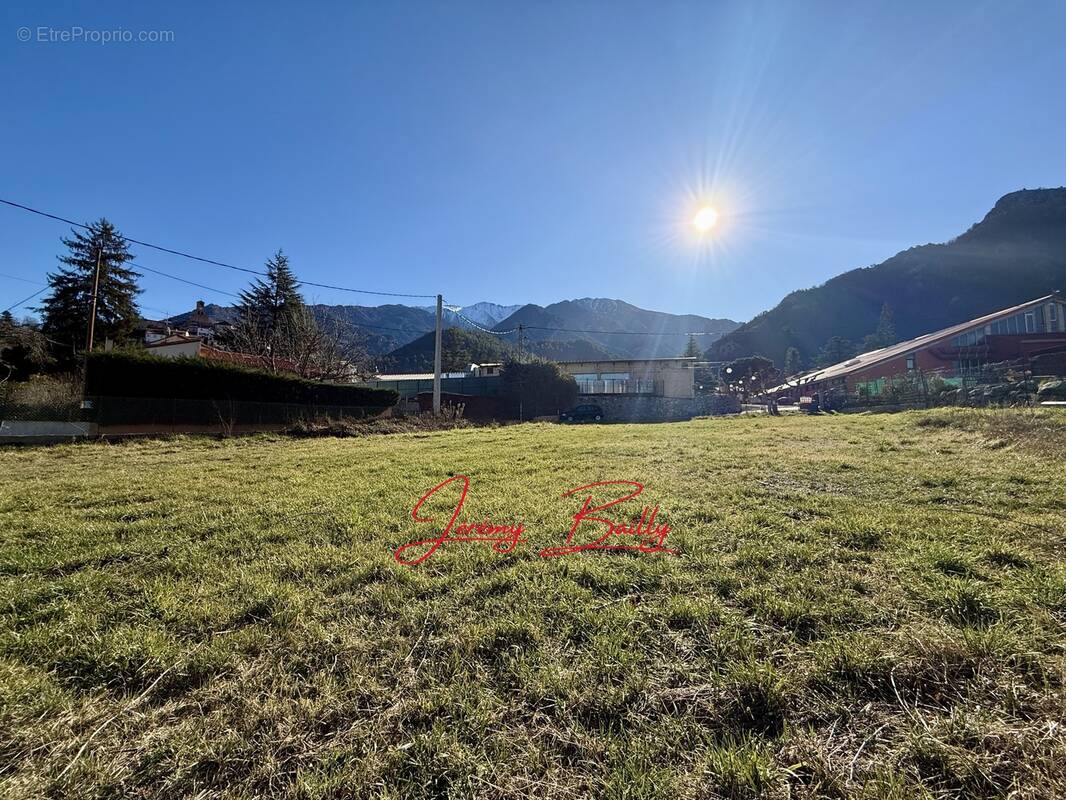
92	318
437	356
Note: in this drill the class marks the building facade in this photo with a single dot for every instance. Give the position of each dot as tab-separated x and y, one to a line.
1028	332
655	377
652	389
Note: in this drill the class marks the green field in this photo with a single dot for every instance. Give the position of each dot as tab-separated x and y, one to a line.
861	606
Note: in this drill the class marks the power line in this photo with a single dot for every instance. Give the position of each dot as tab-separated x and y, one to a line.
211	260
628	333
24	280
455	310
183	280
26	299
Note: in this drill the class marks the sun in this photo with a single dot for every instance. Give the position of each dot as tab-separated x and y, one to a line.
705	219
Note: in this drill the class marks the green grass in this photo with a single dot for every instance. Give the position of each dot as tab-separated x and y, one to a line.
862	606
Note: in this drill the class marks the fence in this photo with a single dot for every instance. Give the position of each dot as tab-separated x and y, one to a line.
51	399
145	414
485	386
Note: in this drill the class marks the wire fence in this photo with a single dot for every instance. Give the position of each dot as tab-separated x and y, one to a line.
52	399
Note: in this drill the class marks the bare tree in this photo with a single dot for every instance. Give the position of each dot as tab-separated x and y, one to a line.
298	344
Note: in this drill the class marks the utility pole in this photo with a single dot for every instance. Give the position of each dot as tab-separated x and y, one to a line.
521	343
92	317
436	357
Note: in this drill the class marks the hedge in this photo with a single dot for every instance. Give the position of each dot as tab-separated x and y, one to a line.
131	374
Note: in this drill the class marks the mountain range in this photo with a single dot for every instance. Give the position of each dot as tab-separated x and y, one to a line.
1016	253
399	335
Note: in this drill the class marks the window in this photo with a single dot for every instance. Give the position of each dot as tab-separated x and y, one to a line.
969	338
1030	322
910	361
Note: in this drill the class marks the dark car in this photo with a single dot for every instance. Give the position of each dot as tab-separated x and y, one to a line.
584	413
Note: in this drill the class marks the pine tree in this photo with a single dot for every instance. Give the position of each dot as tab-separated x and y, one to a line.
273	303
692	349
275	325
884	334
835	350
886	327
66	310
793	361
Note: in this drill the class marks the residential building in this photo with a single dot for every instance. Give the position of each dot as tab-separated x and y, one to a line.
184	345
200	323
196	323
1030	332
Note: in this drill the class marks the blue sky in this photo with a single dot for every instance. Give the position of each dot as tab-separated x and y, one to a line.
526	152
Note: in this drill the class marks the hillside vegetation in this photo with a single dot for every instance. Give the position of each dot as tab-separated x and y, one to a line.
1016	253
860	607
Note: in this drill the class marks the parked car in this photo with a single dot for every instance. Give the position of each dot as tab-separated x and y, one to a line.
582	413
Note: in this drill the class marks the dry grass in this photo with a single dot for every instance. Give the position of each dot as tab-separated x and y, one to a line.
866	607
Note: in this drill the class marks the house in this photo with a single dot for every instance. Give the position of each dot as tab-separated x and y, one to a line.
193	323
199	323
153	330
184	345
1029	332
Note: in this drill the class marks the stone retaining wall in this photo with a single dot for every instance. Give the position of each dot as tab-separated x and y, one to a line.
644	408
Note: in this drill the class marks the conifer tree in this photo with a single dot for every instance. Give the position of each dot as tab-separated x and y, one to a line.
275	325
272	304
793	361
884	334
66	310
692	349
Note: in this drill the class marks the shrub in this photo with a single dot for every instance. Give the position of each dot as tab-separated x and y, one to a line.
42	397
131	374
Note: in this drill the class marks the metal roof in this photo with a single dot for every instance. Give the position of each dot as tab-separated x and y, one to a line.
874	357
625	360
420	376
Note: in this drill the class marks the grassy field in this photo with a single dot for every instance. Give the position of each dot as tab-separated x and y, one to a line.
861	606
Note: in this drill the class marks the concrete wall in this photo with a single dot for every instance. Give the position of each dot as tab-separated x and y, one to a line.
42	432
176	350
642	408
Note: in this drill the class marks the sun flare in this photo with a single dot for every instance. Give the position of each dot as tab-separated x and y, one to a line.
705	219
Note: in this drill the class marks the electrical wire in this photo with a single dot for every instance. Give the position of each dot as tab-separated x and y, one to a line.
454	309
26	299
211	260
628	333
24	280
183	280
